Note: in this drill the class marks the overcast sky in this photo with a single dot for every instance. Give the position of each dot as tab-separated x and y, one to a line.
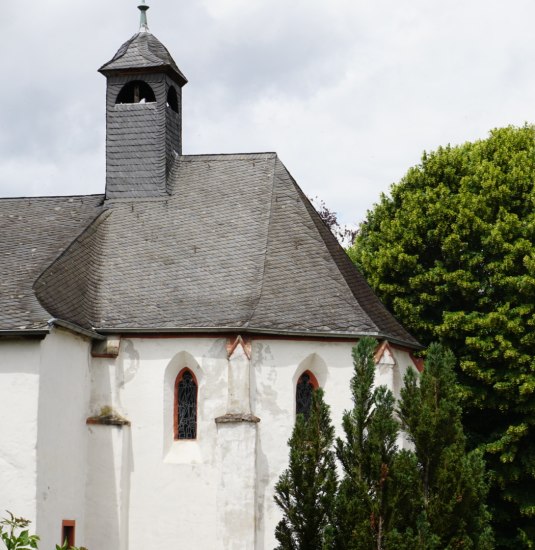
347	92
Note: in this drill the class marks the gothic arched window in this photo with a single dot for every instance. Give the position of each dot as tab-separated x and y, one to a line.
185	405
172	99
136	91
304	392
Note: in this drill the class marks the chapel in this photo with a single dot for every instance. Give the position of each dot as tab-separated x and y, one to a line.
158	340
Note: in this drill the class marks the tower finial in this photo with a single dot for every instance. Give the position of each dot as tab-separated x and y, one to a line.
143	24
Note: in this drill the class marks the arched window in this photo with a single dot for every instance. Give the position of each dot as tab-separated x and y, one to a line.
185	405
172	99
136	91
304	391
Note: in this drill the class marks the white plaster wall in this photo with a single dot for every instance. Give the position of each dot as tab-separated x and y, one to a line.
403	363
145	489
64	389
108	487
236	498
19	389
277	366
171	486
129	487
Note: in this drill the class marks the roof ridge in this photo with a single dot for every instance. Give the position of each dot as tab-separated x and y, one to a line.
268	231
259	153
386	318
145	51
316	218
52	197
121	52
89	230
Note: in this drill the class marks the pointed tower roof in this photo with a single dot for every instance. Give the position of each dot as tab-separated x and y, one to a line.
143	53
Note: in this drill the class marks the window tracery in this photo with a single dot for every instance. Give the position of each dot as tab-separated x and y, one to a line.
186	405
304	393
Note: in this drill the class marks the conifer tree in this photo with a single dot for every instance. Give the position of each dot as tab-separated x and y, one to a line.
452	482
364	506
305	491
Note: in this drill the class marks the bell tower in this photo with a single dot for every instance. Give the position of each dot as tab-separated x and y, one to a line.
143	115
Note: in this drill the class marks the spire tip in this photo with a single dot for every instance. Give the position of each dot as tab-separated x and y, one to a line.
143	23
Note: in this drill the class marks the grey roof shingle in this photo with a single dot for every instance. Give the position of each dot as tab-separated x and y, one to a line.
143	51
235	246
34	231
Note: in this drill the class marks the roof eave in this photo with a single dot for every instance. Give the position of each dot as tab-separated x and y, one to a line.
177	76
257	331
33	334
77	329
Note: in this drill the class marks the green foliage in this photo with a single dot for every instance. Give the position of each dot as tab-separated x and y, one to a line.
15	535
429	498
65	546
305	491
364	507
452	254
451	481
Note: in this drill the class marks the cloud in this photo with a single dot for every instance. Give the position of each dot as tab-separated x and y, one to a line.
349	92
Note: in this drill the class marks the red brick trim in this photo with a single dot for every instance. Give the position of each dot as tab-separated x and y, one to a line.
418	362
68	531
312	377
385	345
239	340
379	352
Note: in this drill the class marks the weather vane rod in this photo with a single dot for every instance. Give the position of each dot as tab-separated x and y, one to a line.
143	24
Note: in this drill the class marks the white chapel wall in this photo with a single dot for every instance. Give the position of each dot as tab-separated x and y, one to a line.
44	394
64	388
277	365
168	489
19	392
144	486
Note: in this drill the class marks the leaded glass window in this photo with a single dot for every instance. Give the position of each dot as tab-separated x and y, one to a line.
303	394
186	409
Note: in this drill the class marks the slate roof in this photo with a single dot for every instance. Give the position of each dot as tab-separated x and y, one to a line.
144	52
235	246
34	231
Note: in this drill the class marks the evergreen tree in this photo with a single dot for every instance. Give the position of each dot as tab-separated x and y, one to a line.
452	482
452	253
305	491
364	506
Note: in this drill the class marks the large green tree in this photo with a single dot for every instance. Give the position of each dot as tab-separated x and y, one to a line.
305	491
451	252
